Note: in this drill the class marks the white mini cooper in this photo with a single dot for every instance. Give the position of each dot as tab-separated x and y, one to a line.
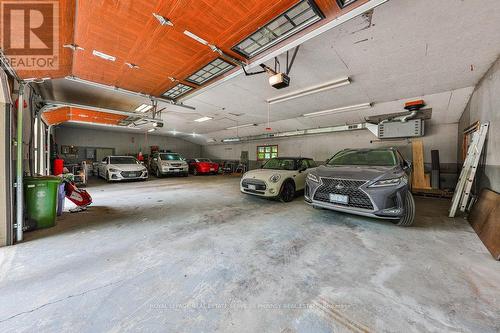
278	178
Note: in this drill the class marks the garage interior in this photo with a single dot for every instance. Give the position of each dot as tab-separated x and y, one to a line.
203	79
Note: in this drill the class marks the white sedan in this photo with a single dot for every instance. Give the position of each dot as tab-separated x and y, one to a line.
278	178
114	168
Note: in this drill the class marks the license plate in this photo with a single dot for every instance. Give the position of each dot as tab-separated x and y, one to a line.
339	198
252	187
176	170
212	169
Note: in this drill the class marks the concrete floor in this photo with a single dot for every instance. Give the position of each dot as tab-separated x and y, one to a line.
195	255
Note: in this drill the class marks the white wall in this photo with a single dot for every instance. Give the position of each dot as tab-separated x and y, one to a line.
484	106
320	147
123	142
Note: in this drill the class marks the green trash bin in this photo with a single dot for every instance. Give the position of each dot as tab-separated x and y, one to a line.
40	195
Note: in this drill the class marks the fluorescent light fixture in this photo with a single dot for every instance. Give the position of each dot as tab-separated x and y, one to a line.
103	55
143	108
231	140
297	18
339	110
195	37
209	71
151	130
311	90
177	90
241	126
202	119
163	20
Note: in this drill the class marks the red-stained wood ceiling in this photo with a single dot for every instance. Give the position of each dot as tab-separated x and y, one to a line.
127	30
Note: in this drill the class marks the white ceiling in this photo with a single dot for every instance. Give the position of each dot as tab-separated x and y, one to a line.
437	50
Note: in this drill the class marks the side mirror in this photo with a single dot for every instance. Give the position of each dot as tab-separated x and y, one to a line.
406	165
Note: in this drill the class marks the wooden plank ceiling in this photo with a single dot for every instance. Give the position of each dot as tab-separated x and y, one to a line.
127	30
81	115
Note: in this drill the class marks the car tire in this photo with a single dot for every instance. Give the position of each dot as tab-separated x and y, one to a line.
409	215
287	192
158	173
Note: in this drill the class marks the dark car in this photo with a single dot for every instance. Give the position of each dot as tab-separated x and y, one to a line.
368	182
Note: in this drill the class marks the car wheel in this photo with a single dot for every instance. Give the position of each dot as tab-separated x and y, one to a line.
409	216
195	172
287	192
158	173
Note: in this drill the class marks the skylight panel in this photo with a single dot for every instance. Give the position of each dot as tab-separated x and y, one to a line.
345	3
211	70
290	22
176	91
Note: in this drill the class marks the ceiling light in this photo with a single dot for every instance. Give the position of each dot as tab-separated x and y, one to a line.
163	20
103	55
202	119
231	140
151	130
311	90
195	37
339	110
133	66
143	108
241	126
74	47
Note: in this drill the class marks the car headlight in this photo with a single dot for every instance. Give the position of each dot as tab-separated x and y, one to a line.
275	178
312	177
114	170
387	182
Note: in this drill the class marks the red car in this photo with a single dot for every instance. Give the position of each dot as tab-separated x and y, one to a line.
199	166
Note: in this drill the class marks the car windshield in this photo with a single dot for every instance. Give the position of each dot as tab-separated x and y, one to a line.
280	164
364	157
123	160
170	157
203	160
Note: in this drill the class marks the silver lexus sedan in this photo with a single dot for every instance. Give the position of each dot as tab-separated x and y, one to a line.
368	182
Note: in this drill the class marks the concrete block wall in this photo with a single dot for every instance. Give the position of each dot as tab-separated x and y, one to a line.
124	143
484	106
